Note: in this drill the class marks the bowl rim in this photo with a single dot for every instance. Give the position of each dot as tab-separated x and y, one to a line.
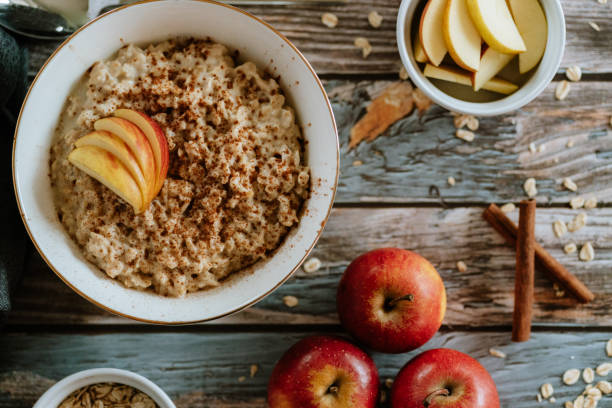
524	95
97	375
235	309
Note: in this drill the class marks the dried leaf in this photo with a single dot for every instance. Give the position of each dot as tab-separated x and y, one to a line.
394	103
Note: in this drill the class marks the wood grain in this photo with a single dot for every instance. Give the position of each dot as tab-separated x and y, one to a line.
420	151
331	50
482	296
202	369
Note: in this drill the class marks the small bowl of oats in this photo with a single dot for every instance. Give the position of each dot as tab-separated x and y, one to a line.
104	387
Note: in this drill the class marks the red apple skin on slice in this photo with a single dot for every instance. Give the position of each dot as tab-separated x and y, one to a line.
430	31
491	63
461	36
112	144
108	170
157	139
138	143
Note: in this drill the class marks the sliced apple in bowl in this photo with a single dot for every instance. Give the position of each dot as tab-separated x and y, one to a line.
108	170
531	22
494	22
112	144
430	31
461	36
459	76
491	63
157	140
139	145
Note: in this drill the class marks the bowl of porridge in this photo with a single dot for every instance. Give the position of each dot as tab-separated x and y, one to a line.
104	387
179	170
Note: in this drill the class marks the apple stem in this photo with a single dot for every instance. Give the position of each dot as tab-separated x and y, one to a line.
333	389
395	301
441	392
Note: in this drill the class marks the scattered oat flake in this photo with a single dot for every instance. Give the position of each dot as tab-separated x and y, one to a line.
570	143
451	181
253	370
532	147
568	404
241	378
603	369
590	403
576	202
508	207
573	73
290	301
357	163
530	187
465	135
539	397
541	148
569	184
403	74
594	392
497	353
559	228
587	253
394	103
329	19
571	376
609	348
588	375
578	222
389	383
312	265
579	402
570	248
552	400
473	123
461	121
594	26
375	19
605	387
602	1
364	44
590	203
562	90
547	390
461	267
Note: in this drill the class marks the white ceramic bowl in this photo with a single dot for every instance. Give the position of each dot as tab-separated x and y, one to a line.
58	392
533	87
144	23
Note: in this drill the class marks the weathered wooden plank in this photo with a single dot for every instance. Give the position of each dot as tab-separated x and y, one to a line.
203	369
482	296
420	151
331	51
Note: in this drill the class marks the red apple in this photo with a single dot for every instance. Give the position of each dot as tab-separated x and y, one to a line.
391	300
444	378
323	372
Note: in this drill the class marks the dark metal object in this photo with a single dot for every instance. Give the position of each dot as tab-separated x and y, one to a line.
34	22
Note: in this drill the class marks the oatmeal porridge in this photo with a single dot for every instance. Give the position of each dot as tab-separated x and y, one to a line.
236	178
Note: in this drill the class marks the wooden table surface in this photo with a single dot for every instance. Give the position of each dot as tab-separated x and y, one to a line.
52	332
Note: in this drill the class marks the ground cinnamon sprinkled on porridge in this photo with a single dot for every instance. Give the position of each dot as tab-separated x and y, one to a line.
236	181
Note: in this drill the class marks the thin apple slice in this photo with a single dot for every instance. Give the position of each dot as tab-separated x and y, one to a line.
157	139
461	36
491	63
417	48
138	143
459	76
531	22
430	31
112	144
108	170
494	22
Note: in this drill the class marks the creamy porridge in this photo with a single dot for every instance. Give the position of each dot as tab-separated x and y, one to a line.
236	179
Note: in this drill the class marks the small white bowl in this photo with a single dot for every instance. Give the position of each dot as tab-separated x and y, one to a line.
144	23
58	393
532	88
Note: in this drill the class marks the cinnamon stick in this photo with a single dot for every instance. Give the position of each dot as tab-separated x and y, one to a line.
544	261
524	277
